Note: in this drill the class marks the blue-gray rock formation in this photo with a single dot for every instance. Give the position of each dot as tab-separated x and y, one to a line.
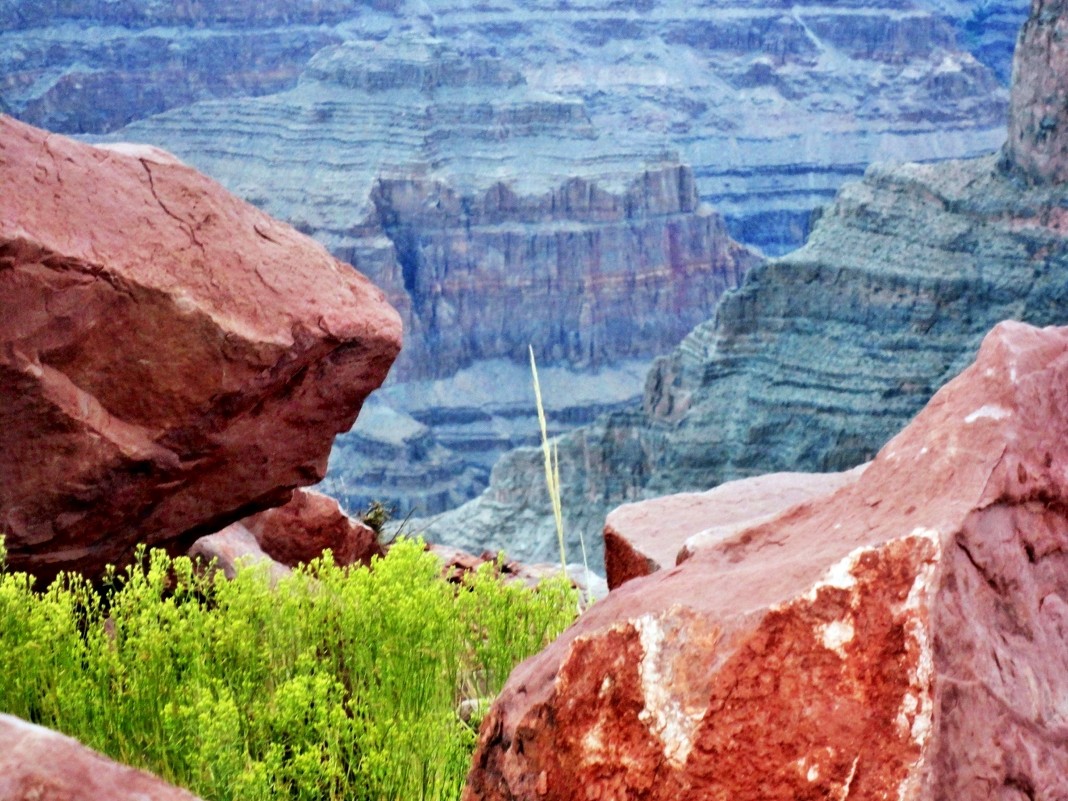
820	356
773	104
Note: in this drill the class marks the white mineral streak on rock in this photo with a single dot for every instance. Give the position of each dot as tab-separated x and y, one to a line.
838	576
836	635
663	714
916	716
990	411
848	783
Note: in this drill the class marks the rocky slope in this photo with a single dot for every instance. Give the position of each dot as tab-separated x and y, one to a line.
821	355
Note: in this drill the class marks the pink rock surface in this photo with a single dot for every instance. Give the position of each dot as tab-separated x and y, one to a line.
641	538
171	358
311	522
37	764
1037	145
904	638
233	547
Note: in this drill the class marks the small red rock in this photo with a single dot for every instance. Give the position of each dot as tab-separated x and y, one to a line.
643	537
311	522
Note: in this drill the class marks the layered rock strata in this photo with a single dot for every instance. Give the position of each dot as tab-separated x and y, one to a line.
173	358
495	217
774	106
819	356
863	645
492	224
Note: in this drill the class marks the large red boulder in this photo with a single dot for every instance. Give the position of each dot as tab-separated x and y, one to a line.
37	764
643	537
171	358
904	638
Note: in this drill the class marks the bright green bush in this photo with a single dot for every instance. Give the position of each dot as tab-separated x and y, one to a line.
337	684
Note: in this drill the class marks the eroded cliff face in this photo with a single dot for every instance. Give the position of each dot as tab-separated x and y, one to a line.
494	216
774	106
821	355
1037	148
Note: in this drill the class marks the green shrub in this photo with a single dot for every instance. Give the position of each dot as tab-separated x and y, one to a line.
339	683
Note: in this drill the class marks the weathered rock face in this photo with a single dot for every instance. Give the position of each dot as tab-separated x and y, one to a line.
816	359
311	522
36	763
173	358
641	538
864	645
1037	147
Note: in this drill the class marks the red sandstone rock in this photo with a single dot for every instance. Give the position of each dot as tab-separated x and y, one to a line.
641	538
1037	145
311	522
171	358
904	638
37	764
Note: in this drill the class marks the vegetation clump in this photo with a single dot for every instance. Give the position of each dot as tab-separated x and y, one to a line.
339	683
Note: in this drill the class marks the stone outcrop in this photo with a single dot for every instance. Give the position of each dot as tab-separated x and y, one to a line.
817	359
37	764
1037	147
173	359
643	537
865	645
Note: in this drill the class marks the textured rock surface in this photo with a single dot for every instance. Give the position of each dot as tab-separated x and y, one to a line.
309	523
817	359
865	645
37	764
1038	124
173	358
641	538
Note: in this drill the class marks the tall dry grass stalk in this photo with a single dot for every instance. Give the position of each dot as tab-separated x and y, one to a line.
551	455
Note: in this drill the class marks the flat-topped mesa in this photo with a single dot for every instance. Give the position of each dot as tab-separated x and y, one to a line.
1037	147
